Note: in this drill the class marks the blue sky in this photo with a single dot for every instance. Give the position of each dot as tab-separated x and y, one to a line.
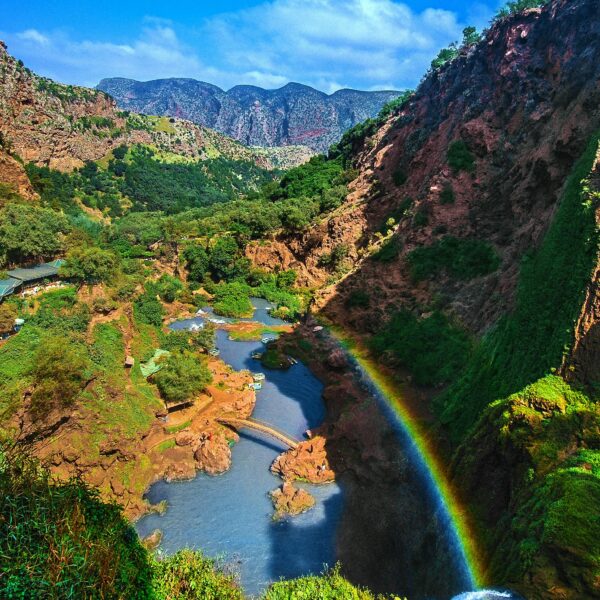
329	44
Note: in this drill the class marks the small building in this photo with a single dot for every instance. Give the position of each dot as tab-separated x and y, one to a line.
129	362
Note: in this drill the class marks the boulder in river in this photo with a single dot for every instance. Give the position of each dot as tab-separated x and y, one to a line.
289	500
213	455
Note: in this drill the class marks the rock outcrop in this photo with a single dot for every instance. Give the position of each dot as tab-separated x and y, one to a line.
308	462
295	115
290	500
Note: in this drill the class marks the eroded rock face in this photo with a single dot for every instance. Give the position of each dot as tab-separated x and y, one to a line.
13	174
307	462
293	115
213	456
526	101
290	500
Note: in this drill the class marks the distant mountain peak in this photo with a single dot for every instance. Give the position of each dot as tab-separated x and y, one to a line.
293	114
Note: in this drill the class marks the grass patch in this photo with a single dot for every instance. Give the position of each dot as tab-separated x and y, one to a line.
433	348
166	445
178	428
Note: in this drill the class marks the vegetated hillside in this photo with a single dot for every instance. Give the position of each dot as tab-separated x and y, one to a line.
62	126
467	255
292	115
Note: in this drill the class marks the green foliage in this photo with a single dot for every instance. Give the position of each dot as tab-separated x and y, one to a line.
353	140
399	177
197	261
515	6
89	264
444	56
8	314
549	524
461	258
358	299
329	586
182	376
189	575
167	287
447	195
421	217
59	311
526	343
29	232
56	189
460	157
60	372
233	299
334	259
226	261
389	250
61	541
433	349
147	309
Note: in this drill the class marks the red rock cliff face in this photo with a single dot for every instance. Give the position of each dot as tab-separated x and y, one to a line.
526	101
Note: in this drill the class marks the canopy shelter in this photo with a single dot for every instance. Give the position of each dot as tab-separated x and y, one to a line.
8	286
32	274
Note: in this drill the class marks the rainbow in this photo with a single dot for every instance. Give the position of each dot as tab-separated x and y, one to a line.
421	452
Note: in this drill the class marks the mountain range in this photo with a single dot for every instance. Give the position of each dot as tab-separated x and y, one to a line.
290	116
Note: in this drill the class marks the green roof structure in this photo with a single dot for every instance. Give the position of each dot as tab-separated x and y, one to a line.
42	271
8	286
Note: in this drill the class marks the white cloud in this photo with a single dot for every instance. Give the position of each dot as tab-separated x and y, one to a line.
33	35
330	44
323	42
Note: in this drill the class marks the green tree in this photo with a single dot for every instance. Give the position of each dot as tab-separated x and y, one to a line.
30	232
59	373
518	6
445	55
182	376
89	264
197	261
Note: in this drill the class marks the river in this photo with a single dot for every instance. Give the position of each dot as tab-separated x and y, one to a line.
230	516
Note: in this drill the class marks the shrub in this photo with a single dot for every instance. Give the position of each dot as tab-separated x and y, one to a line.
421	217
461	258
518	6
447	195
8	314
460	157
328	586
399	177
233	300
389	251
147	309
59	374
358	299
188	575
182	376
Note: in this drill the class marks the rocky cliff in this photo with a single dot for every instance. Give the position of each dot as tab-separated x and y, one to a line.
292	115
522	105
62	126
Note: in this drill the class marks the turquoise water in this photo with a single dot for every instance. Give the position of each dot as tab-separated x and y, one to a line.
230	516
